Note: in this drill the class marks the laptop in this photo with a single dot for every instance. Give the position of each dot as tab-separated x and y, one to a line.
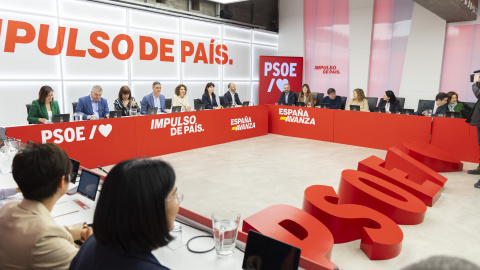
87	186
59	118
176	109
379	110
355	108
453	115
408	111
246	103
199	107
301	104
115	114
152	110
265	253
227	105
324	105
74	173
282	103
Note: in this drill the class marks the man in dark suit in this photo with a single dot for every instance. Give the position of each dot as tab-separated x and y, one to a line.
231	95
153	100
332	99
287	97
93	106
439	107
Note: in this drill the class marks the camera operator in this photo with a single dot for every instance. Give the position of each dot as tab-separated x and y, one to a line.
474	117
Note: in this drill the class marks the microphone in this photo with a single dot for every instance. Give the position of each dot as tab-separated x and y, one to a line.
101	169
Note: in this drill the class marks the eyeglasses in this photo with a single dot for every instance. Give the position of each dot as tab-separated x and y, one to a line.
178	197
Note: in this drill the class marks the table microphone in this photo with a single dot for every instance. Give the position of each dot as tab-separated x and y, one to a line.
101	169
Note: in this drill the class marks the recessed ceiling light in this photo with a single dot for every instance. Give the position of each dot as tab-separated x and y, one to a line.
227	1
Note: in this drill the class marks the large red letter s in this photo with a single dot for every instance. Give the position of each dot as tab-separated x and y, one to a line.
381	238
297	228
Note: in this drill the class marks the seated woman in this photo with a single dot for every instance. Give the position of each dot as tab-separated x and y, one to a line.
306	96
453	104
134	215
125	102
389	102
43	108
30	237
358	99
208	97
180	98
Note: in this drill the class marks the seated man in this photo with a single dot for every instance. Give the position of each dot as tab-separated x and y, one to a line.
153	100
439	107
30	237
287	96
93	106
332	99
228	97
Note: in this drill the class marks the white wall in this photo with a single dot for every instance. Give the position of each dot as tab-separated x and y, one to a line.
24	71
423	59
361	20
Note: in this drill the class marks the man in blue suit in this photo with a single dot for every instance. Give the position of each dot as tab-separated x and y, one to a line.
153	100
93	106
231	95
287	97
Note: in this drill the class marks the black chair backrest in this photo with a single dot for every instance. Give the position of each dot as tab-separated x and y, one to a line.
196	102
319	98
425	102
401	100
344	102
469	104
221	100
168	103
372	103
28	107
74	105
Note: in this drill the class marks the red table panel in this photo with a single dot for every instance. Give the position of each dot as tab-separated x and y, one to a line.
241	123
93	143
308	123
456	137
379	130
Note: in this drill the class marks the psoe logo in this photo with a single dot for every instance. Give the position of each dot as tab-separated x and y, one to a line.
177	125
277	70
296	116
74	134
242	123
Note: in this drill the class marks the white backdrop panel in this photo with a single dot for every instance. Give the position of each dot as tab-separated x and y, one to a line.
27	61
255	93
43	7
257	51
240	53
92	12
13	109
143	88
155	69
87	68
264	38
237	34
199	28
152	21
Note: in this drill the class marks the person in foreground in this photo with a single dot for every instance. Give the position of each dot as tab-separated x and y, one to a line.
43	108
474	118
30	237
358	99
332	99
208	97
389	102
93	106
134	216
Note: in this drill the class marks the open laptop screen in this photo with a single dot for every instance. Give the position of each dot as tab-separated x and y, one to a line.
88	184
265	253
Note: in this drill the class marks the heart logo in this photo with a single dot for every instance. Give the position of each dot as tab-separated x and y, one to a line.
105	129
281	83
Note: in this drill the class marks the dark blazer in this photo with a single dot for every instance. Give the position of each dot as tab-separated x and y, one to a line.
93	255
85	106
292	98
208	103
440	109
39	110
334	104
394	107
148	102
227	98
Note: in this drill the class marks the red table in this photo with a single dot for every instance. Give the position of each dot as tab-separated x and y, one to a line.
109	141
